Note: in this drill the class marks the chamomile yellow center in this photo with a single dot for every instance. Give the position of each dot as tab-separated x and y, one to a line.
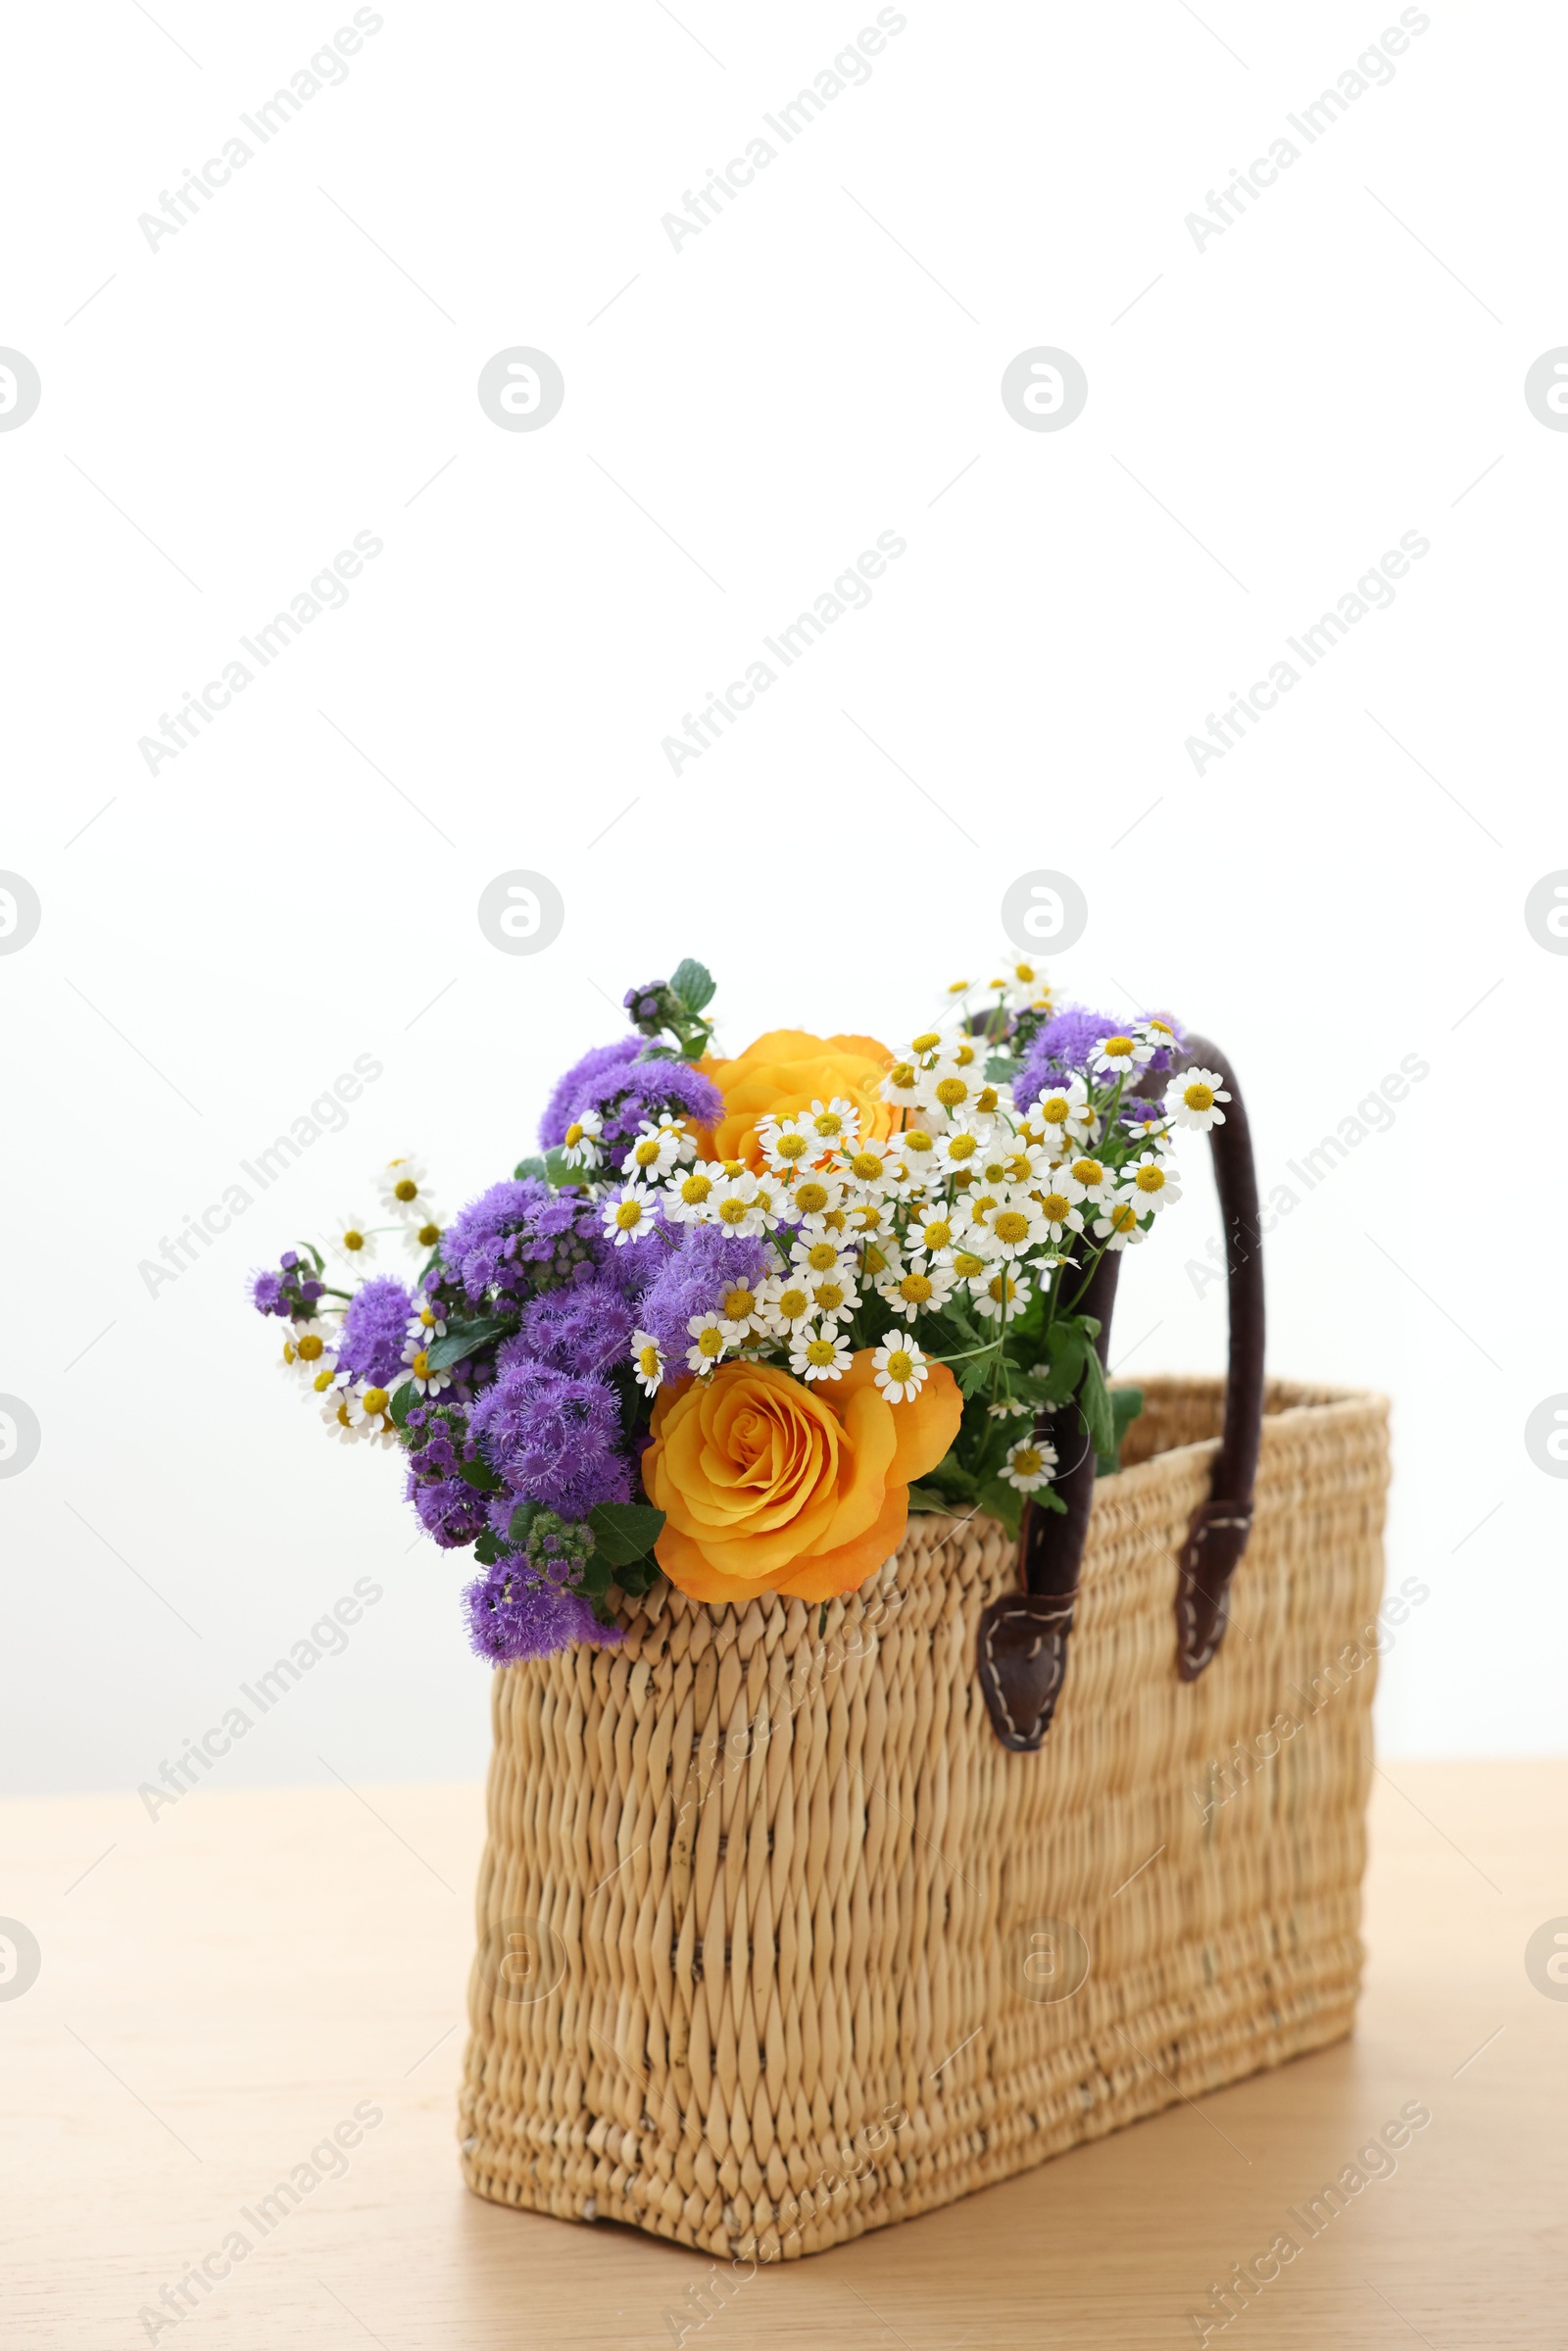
1117	1047
1010	1226
865	1167
821	1351
739	1304
376	1400
573	1135
902	1075
309	1346
1026	1460
821	1256
792	1146
899	1365
961	1148
1003	1288
648	1361
915	1290
810	1197
630	1214
406	1189
950	1092
646	1152
710	1342
696	1190
793	1303
1198	1096
966	1265
937	1234
420	1366
828	1122
1151	1179
1087	1172
354	1238
734	1212
927	1041
428	1235
1056	1205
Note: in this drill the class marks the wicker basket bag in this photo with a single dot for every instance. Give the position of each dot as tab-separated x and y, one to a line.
793	1921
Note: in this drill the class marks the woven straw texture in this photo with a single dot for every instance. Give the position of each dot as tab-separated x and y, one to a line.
777	1944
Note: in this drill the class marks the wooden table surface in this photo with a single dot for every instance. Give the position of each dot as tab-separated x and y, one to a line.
221	1989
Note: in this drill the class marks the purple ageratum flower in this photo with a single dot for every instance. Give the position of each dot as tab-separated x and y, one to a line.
374	1327
1065	1043
585	1327
692	1278
646	1005
553	1437
517	1235
511	1617
451	1511
266	1293
624	1088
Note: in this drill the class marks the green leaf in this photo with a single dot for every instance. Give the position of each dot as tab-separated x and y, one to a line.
520	1522
928	1497
639	1576
402	1404
973	1373
462	1340
598	1573
1065	1348
692	983
489	1548
625	1531
528	1167
480	1476
1003	1501
558	1171
1094	1402
999	1067
1126	1403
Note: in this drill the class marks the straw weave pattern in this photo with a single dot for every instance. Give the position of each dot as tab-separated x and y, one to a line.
776	1885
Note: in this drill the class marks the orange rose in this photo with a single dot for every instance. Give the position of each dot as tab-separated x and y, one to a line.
789	1069
768	1485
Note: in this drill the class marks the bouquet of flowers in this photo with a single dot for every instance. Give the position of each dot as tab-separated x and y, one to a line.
740	1316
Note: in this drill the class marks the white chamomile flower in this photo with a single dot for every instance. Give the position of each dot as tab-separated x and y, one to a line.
863	1164
836	1123
1000	1296
904	1083
420	1238
742	1314
870	1218
1062	1115
1158	1033
629	1213
708	1341
1151	1181
954	1086
305	1353
1119	1055
901	1369
582	1145
1017	1225
821	1354
932	1232
1095	1181
1193	1099
352	1238
416	1355
1011	1407
816	1194
1118	1228
786	1145
1057	1201
402	1187
963	1148
363	1407
647	1362
786	1302
1024	982
977	1210
319	1381
820	1254
425	1324
834	1296
339	1417
918	1288
1030	1464
656	1148
740	1205
969	1265
688	1199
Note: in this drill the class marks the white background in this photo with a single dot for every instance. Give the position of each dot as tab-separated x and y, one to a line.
821	363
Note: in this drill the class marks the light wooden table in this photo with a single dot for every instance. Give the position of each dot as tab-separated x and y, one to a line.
223	1987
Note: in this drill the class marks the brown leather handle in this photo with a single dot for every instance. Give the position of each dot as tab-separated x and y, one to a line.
1218	1535
1023	1637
